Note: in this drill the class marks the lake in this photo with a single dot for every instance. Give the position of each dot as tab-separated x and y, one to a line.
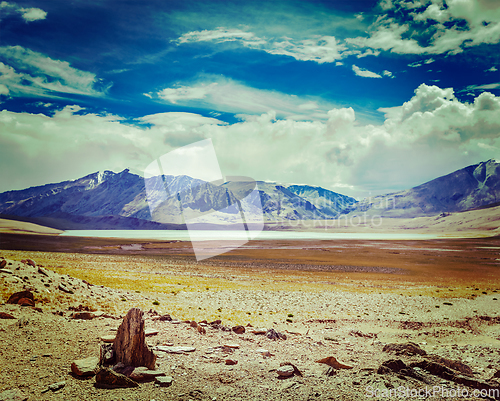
220	235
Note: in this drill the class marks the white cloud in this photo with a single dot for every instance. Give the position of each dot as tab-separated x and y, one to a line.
226	95
492	69
28	14
483	87
321	49
404	35
365	73
31	73
388	74
431	134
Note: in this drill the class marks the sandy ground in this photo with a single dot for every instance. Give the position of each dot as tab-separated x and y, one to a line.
346	299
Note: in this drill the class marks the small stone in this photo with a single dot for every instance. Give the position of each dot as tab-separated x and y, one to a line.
85	367
42	271
107	378
57	386
142	373
231	362
239	329
108	338
331	361
165	318
150	332
174	350
83	315
3	263
7	271
296	370
63	288
193	324
13	395
201	329
235	346
263	352
258	331
5	315
164	381
285	371
275	335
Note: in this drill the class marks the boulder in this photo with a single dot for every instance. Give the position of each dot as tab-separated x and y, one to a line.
275	335
107	378
3	263
17	296
85	367
31	262
130	345
26	302
404	349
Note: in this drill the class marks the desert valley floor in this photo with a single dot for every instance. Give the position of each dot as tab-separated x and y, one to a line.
400	317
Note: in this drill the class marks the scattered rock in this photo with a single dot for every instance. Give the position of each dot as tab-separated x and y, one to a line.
55	386
238	329
165	318
3	263
258	331
21	295
331	361
130	345
275	335
235	346
404	349
83	315
174	350
85	367
5	315
231	362
455	365
5	271
285	371
193	324
107	378
150	332
357	333
264	352
31	262
296	370
142	374
65	289
13	395
201	329
42	271
392	365
164	381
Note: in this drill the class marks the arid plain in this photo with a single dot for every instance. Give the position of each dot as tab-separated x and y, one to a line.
350	299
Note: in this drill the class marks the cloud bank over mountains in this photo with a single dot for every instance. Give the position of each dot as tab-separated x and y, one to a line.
433	126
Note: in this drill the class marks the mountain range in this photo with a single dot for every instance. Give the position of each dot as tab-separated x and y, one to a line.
108	200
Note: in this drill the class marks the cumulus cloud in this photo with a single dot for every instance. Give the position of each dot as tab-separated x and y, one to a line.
338	153
430	27
25	72
321	49
365	73
28	14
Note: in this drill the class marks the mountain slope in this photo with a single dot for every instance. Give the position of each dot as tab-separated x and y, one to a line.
474	186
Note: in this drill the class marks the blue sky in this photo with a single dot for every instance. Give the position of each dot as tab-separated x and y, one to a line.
356	96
